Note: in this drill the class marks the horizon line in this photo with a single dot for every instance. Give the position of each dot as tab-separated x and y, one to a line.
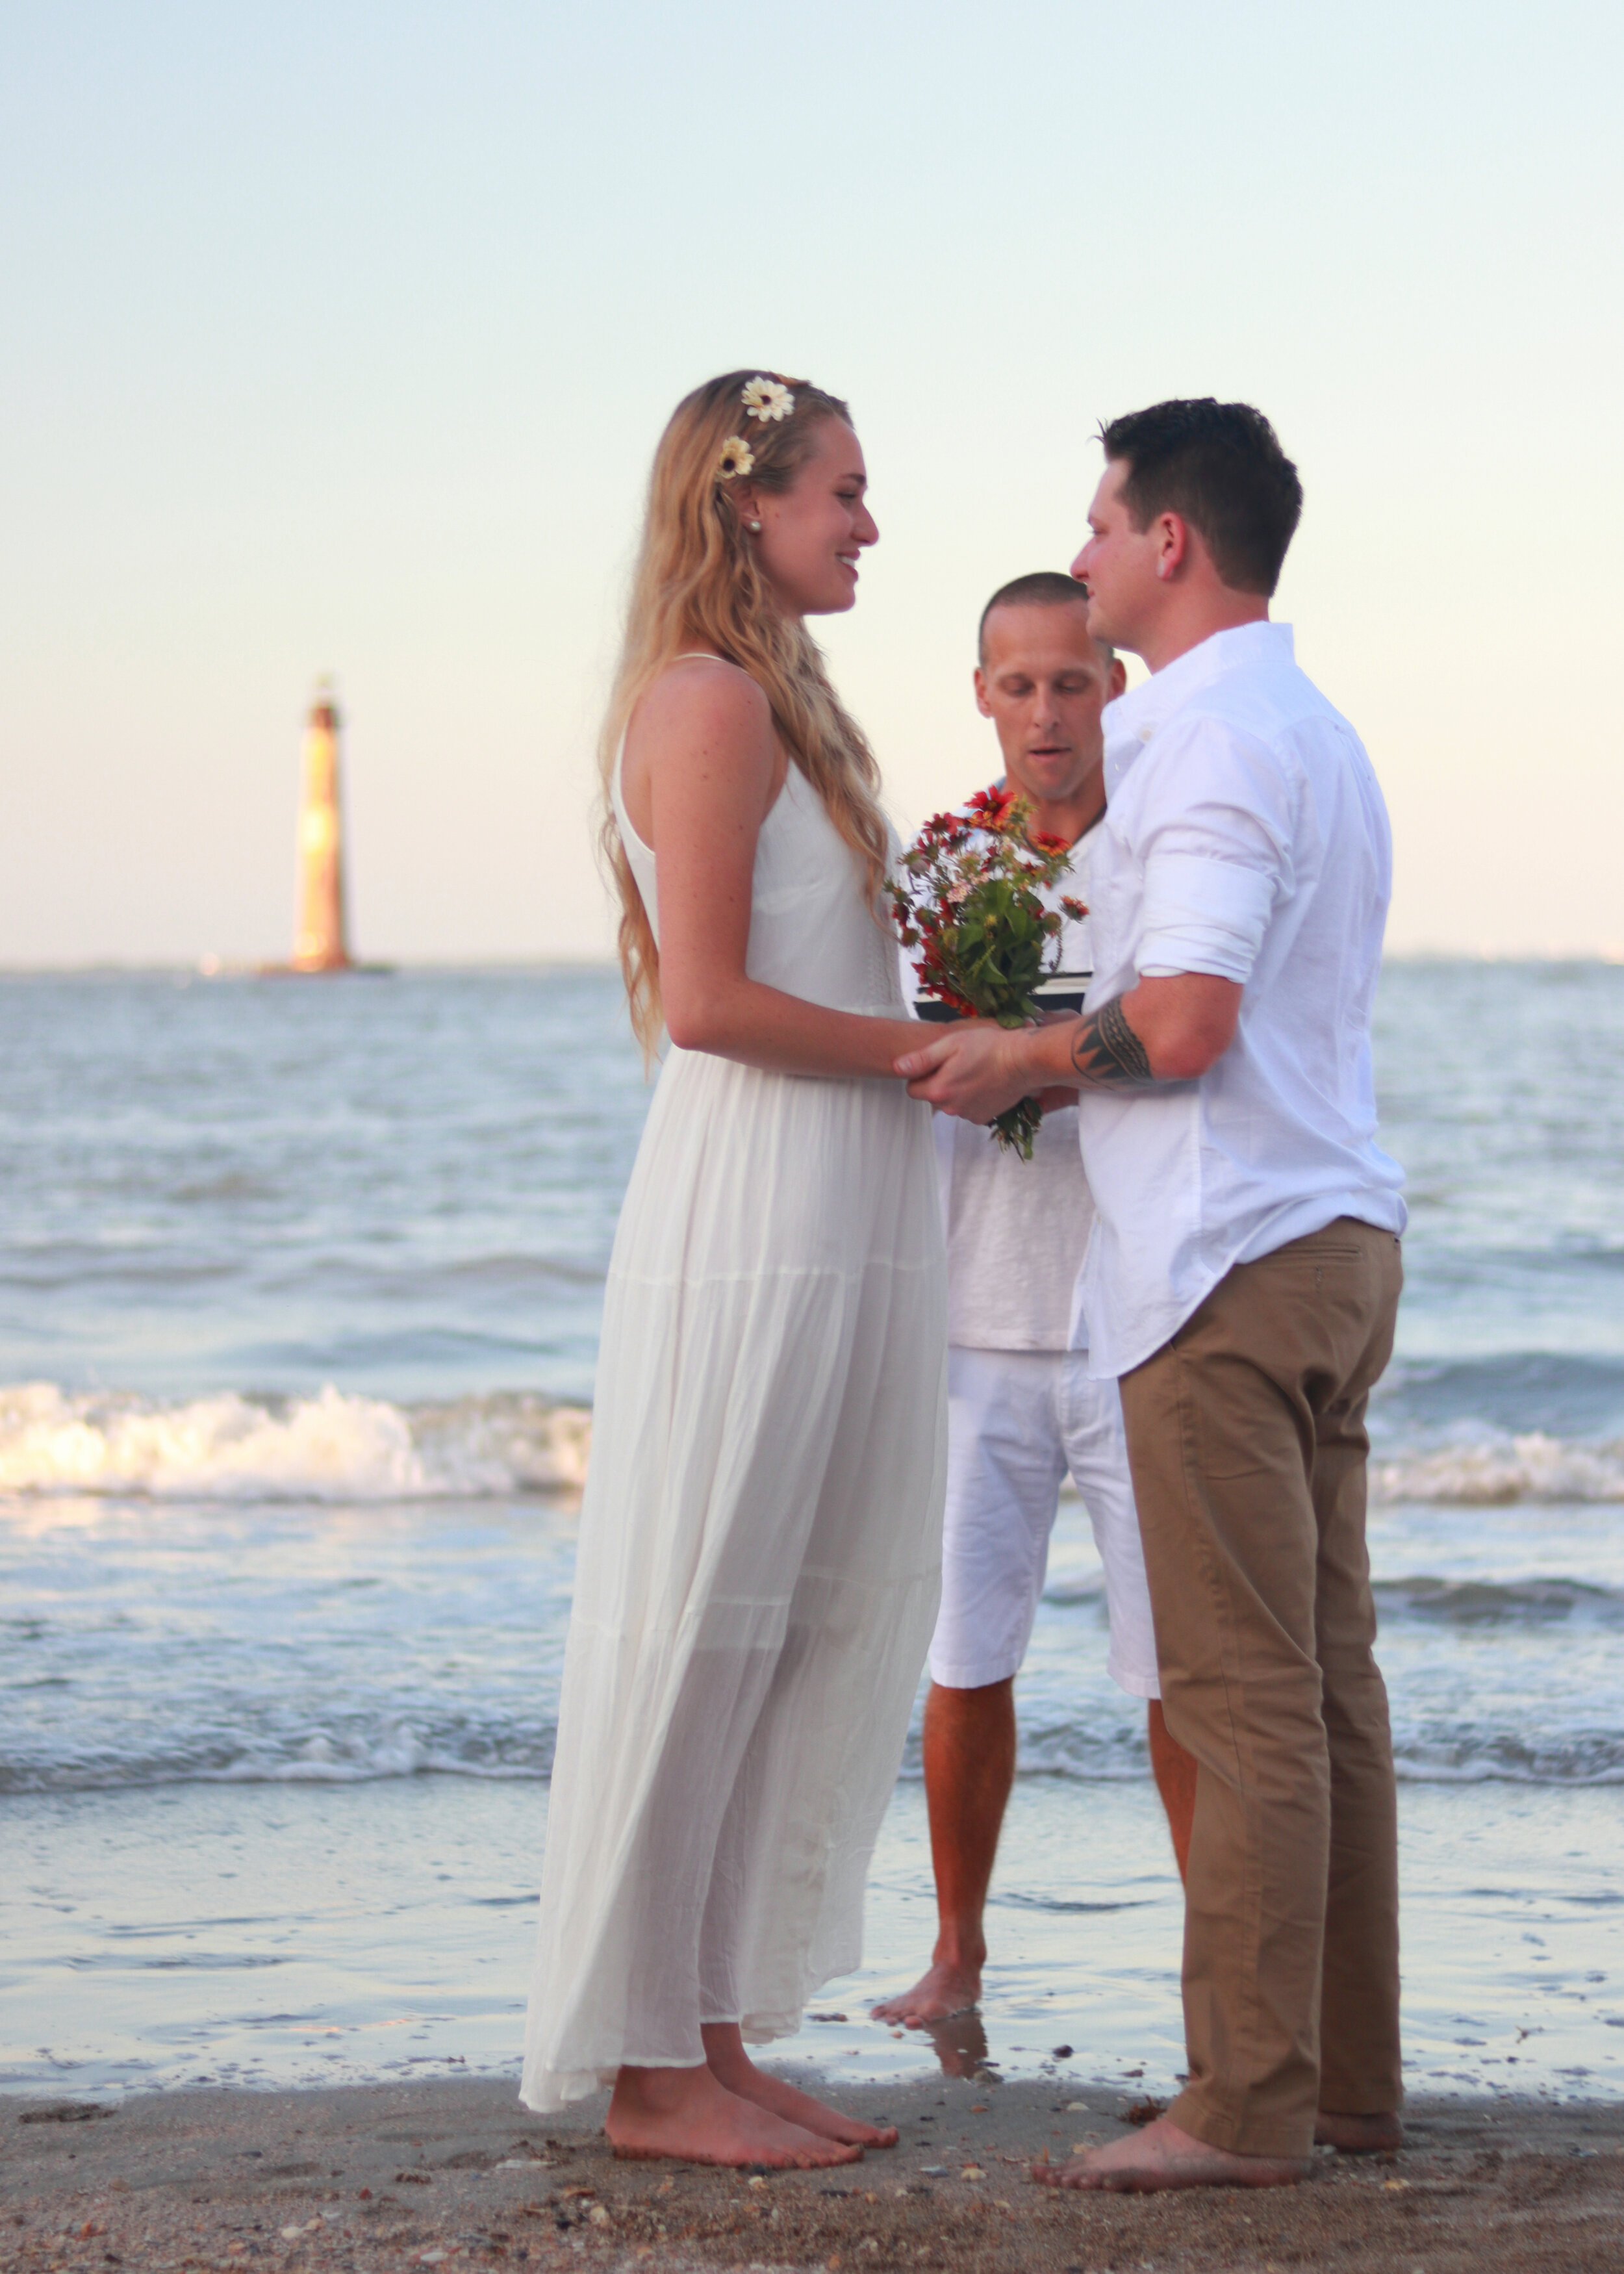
1609	953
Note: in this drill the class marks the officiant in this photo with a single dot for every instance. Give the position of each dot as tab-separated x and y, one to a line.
1022	1412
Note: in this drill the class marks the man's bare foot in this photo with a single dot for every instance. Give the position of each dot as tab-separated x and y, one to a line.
1358	2135
687	2113
942	1991
734	2070
1164	2155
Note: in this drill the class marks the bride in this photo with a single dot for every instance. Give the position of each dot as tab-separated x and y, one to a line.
757	1570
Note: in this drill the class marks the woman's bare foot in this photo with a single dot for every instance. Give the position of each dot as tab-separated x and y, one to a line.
1358	2135
1164	2155
687	2113
945	1988
734	2070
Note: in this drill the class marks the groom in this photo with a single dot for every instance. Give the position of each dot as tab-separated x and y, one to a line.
1242	1284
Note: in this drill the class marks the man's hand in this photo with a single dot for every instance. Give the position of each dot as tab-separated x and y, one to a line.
974	1069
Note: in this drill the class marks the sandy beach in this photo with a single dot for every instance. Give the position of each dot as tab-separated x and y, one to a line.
390	2176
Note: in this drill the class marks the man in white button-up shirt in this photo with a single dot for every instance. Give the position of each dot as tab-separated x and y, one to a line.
1241	1282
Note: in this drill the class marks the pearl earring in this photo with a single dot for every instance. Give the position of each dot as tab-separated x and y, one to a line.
755	528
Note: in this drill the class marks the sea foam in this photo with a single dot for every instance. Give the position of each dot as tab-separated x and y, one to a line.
1488	1469
334	1446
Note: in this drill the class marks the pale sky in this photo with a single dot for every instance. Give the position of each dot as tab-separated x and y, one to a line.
338	337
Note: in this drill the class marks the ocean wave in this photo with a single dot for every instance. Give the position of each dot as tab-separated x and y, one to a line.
1498	1757
1565	1394
336	1446
391	1752
363	1749
1533	1603
341	1446
1490	1469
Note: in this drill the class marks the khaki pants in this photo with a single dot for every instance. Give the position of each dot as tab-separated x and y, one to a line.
1247	1443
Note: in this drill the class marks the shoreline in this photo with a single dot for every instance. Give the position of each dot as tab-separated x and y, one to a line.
387	2176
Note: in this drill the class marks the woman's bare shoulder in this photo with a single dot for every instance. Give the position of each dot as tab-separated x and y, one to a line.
704	693
705	725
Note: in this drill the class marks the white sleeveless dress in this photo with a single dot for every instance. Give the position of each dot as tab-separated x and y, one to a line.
760	1540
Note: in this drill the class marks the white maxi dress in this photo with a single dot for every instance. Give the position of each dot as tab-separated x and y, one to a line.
760	1540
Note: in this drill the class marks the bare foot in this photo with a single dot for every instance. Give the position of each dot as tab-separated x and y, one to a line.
687	2113
734	2070
1164	2155
942	1991
1357	2135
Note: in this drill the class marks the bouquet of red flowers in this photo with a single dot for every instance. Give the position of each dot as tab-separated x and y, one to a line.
968	899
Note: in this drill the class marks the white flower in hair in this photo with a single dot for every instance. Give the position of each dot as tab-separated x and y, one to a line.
737	458
767	398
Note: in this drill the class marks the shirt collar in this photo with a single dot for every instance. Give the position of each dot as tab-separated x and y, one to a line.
1132	718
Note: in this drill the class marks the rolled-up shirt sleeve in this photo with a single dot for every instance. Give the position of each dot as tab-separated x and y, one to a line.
1216	848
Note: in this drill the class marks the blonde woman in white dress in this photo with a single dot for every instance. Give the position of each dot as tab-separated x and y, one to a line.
760	1538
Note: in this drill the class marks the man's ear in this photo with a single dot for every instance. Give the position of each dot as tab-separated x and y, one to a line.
1173	546
1117	682
982	703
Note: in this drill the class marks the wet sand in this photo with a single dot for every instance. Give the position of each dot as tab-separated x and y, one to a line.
441	2174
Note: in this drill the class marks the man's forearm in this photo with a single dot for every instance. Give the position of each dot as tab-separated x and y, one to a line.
1101	1049
1156	1032
1174	1031
1106	1052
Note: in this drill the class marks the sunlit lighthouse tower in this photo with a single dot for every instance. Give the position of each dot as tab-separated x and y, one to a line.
320	942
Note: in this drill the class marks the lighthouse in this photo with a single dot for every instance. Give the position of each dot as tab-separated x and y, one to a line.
320	942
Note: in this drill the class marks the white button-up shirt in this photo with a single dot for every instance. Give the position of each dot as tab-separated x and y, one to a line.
1245	835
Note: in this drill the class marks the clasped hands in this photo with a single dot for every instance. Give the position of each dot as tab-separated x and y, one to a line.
976	1069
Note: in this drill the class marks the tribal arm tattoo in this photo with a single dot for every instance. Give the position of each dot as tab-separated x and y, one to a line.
1105	1050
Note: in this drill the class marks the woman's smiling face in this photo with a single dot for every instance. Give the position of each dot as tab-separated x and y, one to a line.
812	532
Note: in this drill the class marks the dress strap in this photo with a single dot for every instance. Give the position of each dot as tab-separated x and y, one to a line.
696	655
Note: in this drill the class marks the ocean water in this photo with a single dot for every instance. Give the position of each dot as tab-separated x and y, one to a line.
299	1290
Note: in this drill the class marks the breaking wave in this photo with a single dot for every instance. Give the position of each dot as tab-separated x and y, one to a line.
341	1446
1490	1469
335	1446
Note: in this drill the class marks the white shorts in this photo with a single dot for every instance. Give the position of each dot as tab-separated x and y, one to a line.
1017	1420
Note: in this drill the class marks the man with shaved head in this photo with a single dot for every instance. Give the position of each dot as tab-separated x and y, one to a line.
1021	1409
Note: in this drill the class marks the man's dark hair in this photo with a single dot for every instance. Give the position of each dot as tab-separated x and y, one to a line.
1044	588
1220	466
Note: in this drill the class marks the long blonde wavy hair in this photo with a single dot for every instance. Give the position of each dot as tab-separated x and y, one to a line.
697	585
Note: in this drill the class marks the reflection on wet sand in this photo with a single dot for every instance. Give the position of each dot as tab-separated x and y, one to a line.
960	2044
